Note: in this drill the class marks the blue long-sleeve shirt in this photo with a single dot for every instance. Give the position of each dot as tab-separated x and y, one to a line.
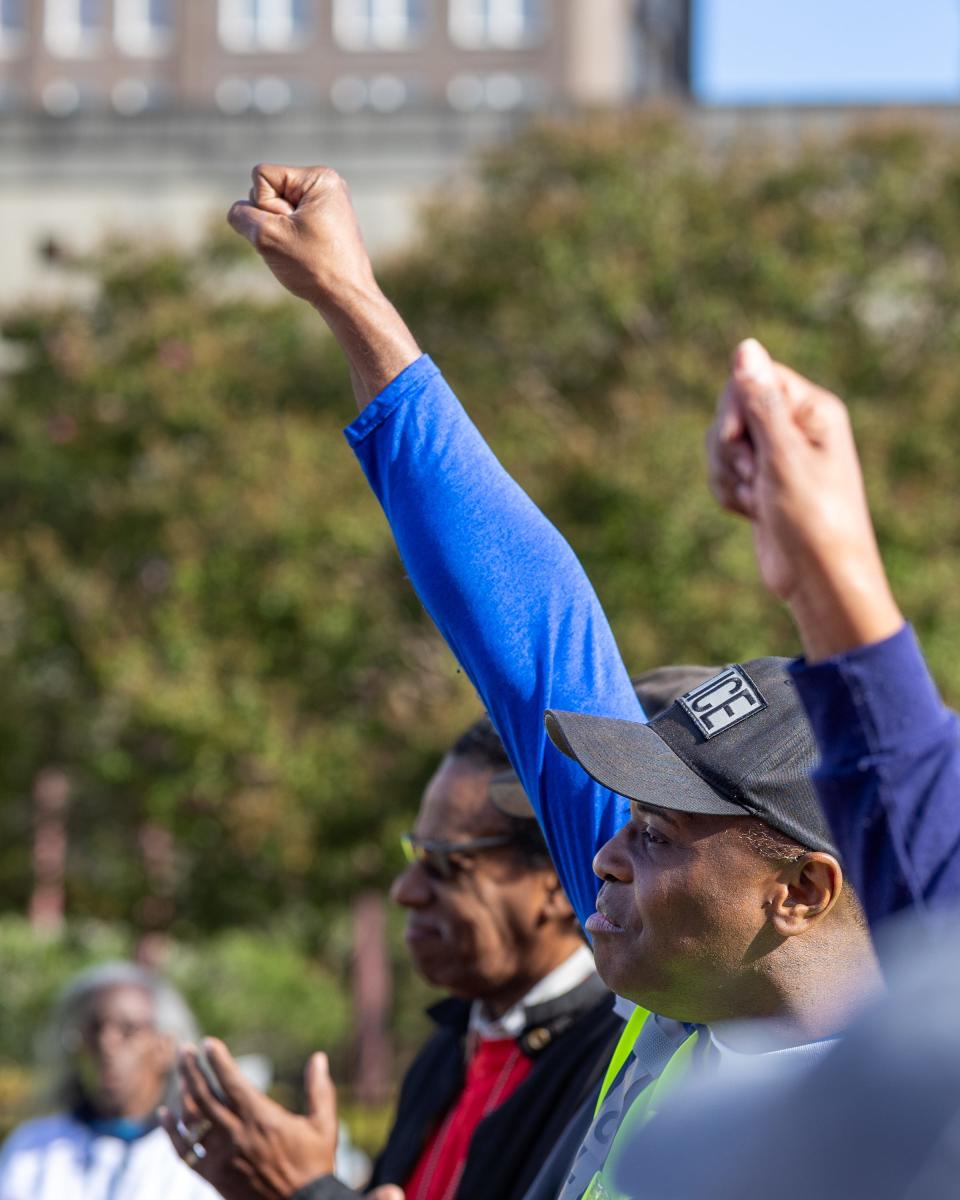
510	598
889	773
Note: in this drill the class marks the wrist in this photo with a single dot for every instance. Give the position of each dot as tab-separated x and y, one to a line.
844	607
347	299
375	340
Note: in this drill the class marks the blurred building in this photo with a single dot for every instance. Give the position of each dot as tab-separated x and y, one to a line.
146	115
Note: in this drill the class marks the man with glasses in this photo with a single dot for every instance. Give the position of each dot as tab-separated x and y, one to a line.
520	1044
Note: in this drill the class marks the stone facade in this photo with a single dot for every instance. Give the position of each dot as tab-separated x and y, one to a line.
144	116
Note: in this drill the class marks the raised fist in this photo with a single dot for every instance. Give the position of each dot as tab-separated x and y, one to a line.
302	222
781	452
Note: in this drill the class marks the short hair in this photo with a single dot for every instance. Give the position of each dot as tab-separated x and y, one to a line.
172	1016
774	846
480	743
770	843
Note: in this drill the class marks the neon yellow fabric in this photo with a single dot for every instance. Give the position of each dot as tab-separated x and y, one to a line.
642	1109
621	1052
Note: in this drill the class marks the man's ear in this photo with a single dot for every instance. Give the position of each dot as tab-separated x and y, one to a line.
803	892
556	906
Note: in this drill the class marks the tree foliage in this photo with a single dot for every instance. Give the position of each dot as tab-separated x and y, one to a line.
201	614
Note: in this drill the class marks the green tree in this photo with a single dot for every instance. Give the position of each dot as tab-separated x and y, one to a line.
584	301
202	617
204	622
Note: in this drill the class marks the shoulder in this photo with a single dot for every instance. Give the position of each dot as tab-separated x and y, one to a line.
30	1147
445	1043
39	1134
586	1008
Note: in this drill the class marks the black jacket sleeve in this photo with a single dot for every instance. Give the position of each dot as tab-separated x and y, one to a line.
326	1187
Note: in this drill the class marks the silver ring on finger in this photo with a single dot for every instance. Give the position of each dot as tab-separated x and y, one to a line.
199	1132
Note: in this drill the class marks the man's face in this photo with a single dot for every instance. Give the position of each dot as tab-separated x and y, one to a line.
475	932
121	1059
681	915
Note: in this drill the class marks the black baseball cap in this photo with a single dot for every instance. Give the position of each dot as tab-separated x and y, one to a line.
738	744
656	690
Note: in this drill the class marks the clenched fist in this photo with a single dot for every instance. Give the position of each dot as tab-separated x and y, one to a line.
302	222
781	452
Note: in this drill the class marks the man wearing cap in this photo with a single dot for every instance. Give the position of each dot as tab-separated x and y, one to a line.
719	904
722	899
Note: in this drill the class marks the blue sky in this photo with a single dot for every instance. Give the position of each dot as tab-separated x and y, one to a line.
827	51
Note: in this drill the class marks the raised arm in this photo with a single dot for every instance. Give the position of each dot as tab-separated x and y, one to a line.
782	454
502	585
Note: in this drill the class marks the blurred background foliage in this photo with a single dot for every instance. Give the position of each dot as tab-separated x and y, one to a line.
202	617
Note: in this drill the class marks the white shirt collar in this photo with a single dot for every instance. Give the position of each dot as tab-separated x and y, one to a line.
570	973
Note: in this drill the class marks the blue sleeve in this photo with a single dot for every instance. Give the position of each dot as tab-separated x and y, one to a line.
510	598
889	773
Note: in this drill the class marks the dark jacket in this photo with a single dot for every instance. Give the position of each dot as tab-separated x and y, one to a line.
570	1040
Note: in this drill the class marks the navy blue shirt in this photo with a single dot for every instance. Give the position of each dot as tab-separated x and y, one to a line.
889	773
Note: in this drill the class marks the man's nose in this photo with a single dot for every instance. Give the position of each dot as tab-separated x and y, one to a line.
411	888
106	1037
612	861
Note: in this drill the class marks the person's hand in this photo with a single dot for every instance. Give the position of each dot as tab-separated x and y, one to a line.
253	1148
781	452
302	222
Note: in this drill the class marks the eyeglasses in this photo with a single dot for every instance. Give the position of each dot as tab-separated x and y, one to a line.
437	859
75	1037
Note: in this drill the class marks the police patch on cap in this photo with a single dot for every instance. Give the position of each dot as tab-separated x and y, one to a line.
723	701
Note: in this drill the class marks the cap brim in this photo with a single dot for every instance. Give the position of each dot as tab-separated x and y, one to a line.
630	758
506	794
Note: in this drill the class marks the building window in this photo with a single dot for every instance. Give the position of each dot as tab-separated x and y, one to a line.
74	28
13	27
234	95
496	24
250	25
269	94
381	93
133	96
61	97
272	95
144	28
378	24
499	92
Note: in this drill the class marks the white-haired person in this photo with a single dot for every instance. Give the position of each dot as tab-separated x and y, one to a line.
111	1048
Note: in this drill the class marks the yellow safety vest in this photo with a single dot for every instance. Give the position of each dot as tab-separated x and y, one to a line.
645	1105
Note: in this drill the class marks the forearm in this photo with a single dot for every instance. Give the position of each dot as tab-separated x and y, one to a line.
843	604
374	339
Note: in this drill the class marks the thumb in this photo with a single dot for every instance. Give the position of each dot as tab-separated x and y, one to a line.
760	393
321	1094
388	1191
250	221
